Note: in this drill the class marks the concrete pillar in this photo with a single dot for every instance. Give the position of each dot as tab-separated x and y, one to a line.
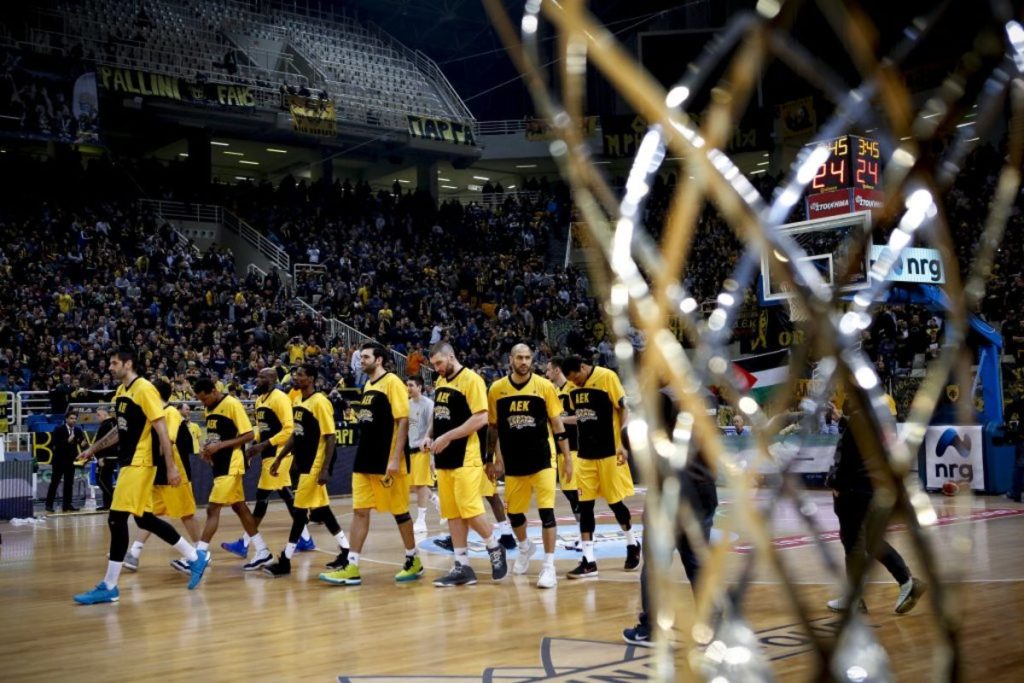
426	179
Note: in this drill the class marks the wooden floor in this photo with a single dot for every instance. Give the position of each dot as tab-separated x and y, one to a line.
240	626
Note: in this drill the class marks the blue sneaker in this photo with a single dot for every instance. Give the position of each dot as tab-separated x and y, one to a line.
236	548
99	594
197	568
305	545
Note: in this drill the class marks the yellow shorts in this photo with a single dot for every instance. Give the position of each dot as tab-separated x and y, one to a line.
268	482
604	478
487	487
174	501
227	490
518	490
570	483
420	472
383	494
309	495
459	491
134	489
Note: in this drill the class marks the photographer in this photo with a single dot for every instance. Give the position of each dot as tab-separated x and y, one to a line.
1010	434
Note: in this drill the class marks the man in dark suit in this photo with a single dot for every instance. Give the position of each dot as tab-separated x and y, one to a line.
65	442
106	460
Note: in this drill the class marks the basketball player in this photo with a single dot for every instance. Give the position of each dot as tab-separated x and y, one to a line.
600	407
227	430
421	470
380	473
312	443
139	417
460	411
274	425
568	484
521	407
170	501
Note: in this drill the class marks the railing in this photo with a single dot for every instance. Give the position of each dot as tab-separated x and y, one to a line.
31	403
18	442
198	213
275	254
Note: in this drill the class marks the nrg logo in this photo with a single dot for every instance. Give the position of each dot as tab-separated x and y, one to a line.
962	444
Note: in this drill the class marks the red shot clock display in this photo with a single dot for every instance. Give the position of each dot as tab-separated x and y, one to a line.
848	180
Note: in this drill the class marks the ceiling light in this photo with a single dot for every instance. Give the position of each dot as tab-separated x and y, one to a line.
241	177
234	154
446	180
511	187
183	154
219	144
249	163
526	165
480	177
763	163
449	187
758	171
404	181
277	151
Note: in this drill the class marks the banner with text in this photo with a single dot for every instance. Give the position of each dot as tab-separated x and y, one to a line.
312	116
954	453
538	130
146	84
621	135
440	130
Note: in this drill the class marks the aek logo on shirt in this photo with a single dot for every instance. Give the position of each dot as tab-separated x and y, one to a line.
442	413
364	415
521	422
299	431
585	415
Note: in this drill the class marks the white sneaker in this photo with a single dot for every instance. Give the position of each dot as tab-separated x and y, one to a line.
131	563
910	592
436	502
420	527
522	563
548	578
840	605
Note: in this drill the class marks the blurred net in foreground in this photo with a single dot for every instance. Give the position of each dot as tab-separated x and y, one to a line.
641	274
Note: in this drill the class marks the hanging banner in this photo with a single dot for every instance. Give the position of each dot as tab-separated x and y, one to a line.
47	98
312	116
797	118
440	130
151	85
538	130
621	135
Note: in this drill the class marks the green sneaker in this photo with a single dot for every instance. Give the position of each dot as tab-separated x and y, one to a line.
346	576
412	570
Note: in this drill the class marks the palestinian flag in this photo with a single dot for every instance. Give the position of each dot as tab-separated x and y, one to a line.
763	373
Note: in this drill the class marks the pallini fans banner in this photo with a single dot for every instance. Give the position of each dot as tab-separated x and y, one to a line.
159	86
440	130
312	116
953	453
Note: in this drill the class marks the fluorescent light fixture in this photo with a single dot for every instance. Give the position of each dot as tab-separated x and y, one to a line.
183	154
234	154
404	181
766	154
973	139
763	163
219	144
241	177
758	171
277	151
248	163
964	125
511	187
474	188
444	180
480	177
449	187
526	165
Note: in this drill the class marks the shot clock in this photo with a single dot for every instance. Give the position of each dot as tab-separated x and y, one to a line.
849	179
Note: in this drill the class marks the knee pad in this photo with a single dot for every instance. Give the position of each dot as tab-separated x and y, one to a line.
587	523
622	515
516	519
402	518
263	495
547	518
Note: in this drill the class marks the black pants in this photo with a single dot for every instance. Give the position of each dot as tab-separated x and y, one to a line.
851	508
1017	478
105	478
63	469
703	497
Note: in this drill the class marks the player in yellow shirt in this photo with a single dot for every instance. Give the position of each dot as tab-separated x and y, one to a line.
460	412
599	403
171	501
525	413
380	473
227	430
568	484
312	443
139	416
274	426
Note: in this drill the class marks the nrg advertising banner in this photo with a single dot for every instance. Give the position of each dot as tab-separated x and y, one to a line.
954	453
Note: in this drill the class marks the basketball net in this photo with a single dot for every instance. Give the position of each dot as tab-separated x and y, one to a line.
638	278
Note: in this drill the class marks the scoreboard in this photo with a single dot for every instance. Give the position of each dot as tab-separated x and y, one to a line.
848	181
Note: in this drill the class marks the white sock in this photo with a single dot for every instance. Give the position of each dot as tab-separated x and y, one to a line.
505	528
549	559
113	573
261	545
342	541
353	558
462	555
630	538
246	539
524	544
421	514
136	549
490	543
186	550
305	534
202	545
411	552
588	551
289	550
